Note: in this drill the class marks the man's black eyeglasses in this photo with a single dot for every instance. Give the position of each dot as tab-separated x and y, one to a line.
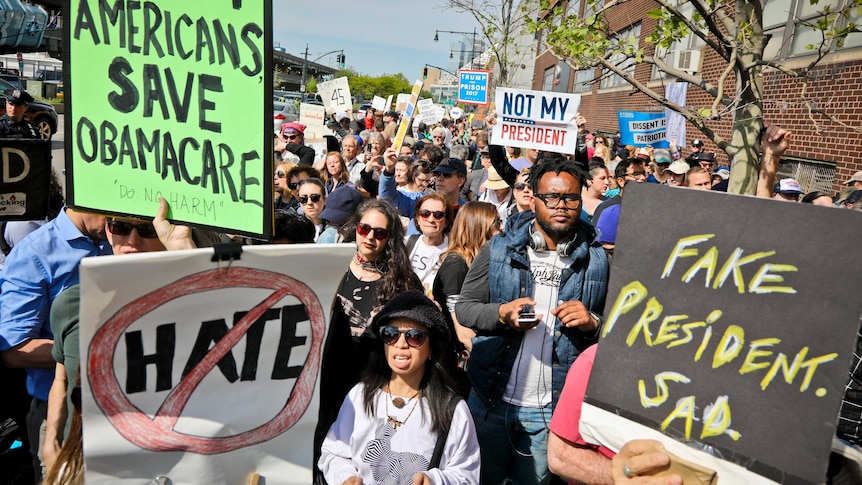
120	228
552	201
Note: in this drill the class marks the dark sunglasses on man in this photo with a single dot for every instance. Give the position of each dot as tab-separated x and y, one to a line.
121	228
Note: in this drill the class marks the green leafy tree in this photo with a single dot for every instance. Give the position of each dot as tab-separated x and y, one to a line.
732	29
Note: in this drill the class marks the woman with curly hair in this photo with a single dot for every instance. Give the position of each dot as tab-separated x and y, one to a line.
379	270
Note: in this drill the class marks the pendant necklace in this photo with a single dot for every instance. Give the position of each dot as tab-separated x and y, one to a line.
394	422
397	401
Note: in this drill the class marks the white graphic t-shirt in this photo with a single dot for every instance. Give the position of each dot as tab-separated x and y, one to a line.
530	382
426	261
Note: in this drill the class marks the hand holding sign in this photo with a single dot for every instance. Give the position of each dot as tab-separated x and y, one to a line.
336	94
638	457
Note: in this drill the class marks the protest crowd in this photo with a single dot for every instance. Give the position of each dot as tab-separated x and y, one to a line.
475	294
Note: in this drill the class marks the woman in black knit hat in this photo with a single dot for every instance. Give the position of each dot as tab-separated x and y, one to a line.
402	421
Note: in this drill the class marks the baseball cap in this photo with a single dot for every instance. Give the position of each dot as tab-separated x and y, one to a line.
662	157
678	167
451	165
342	116
697	143
787	187
857	177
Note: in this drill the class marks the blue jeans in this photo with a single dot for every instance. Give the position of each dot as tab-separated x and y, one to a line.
513	440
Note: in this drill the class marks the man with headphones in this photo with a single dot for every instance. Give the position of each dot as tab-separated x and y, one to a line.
532	295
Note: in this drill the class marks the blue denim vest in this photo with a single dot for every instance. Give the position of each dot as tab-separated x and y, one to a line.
509	278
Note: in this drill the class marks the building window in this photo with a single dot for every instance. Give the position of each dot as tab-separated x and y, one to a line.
684	54
548	79
785	21
627	65
583	81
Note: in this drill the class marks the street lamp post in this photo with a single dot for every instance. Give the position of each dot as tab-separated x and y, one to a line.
305	63
472	48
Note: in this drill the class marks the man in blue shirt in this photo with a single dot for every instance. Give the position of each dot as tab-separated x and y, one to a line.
41	266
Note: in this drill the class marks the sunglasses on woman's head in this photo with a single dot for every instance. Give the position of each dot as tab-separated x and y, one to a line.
414	336
425	214
120	228
303	199
380	233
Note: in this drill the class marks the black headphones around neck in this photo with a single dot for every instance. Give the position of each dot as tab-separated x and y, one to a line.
565	247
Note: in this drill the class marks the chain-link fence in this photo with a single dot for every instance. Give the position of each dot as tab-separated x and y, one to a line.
811	174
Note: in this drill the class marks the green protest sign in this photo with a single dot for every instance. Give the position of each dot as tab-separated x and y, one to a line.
172	99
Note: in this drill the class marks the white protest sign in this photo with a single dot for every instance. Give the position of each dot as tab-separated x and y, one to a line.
540	120
425	104
401	102
379	103
388	102
313	117
204	372
456	113
335	94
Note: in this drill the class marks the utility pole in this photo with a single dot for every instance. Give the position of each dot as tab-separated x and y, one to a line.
304	69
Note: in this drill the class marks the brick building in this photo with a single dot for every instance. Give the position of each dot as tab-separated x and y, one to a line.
820	160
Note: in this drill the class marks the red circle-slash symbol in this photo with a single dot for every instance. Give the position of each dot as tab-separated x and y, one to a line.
157	434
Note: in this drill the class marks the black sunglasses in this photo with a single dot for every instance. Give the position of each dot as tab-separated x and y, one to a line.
380	233
520	186
303	199
425	214
145	230
414	336
279	174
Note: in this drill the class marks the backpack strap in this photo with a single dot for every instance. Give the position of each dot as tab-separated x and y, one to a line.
442	437
411	242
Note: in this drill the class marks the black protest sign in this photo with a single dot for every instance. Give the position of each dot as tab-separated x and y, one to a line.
172	99
730	321
25	175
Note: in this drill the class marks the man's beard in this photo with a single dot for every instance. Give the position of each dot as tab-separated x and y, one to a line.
557	232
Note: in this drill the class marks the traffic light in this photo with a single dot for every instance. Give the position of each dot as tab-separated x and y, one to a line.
425	73
340	59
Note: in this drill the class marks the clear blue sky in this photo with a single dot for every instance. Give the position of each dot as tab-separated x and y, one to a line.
379	36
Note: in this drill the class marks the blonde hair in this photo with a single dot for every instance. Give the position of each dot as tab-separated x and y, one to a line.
475	224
